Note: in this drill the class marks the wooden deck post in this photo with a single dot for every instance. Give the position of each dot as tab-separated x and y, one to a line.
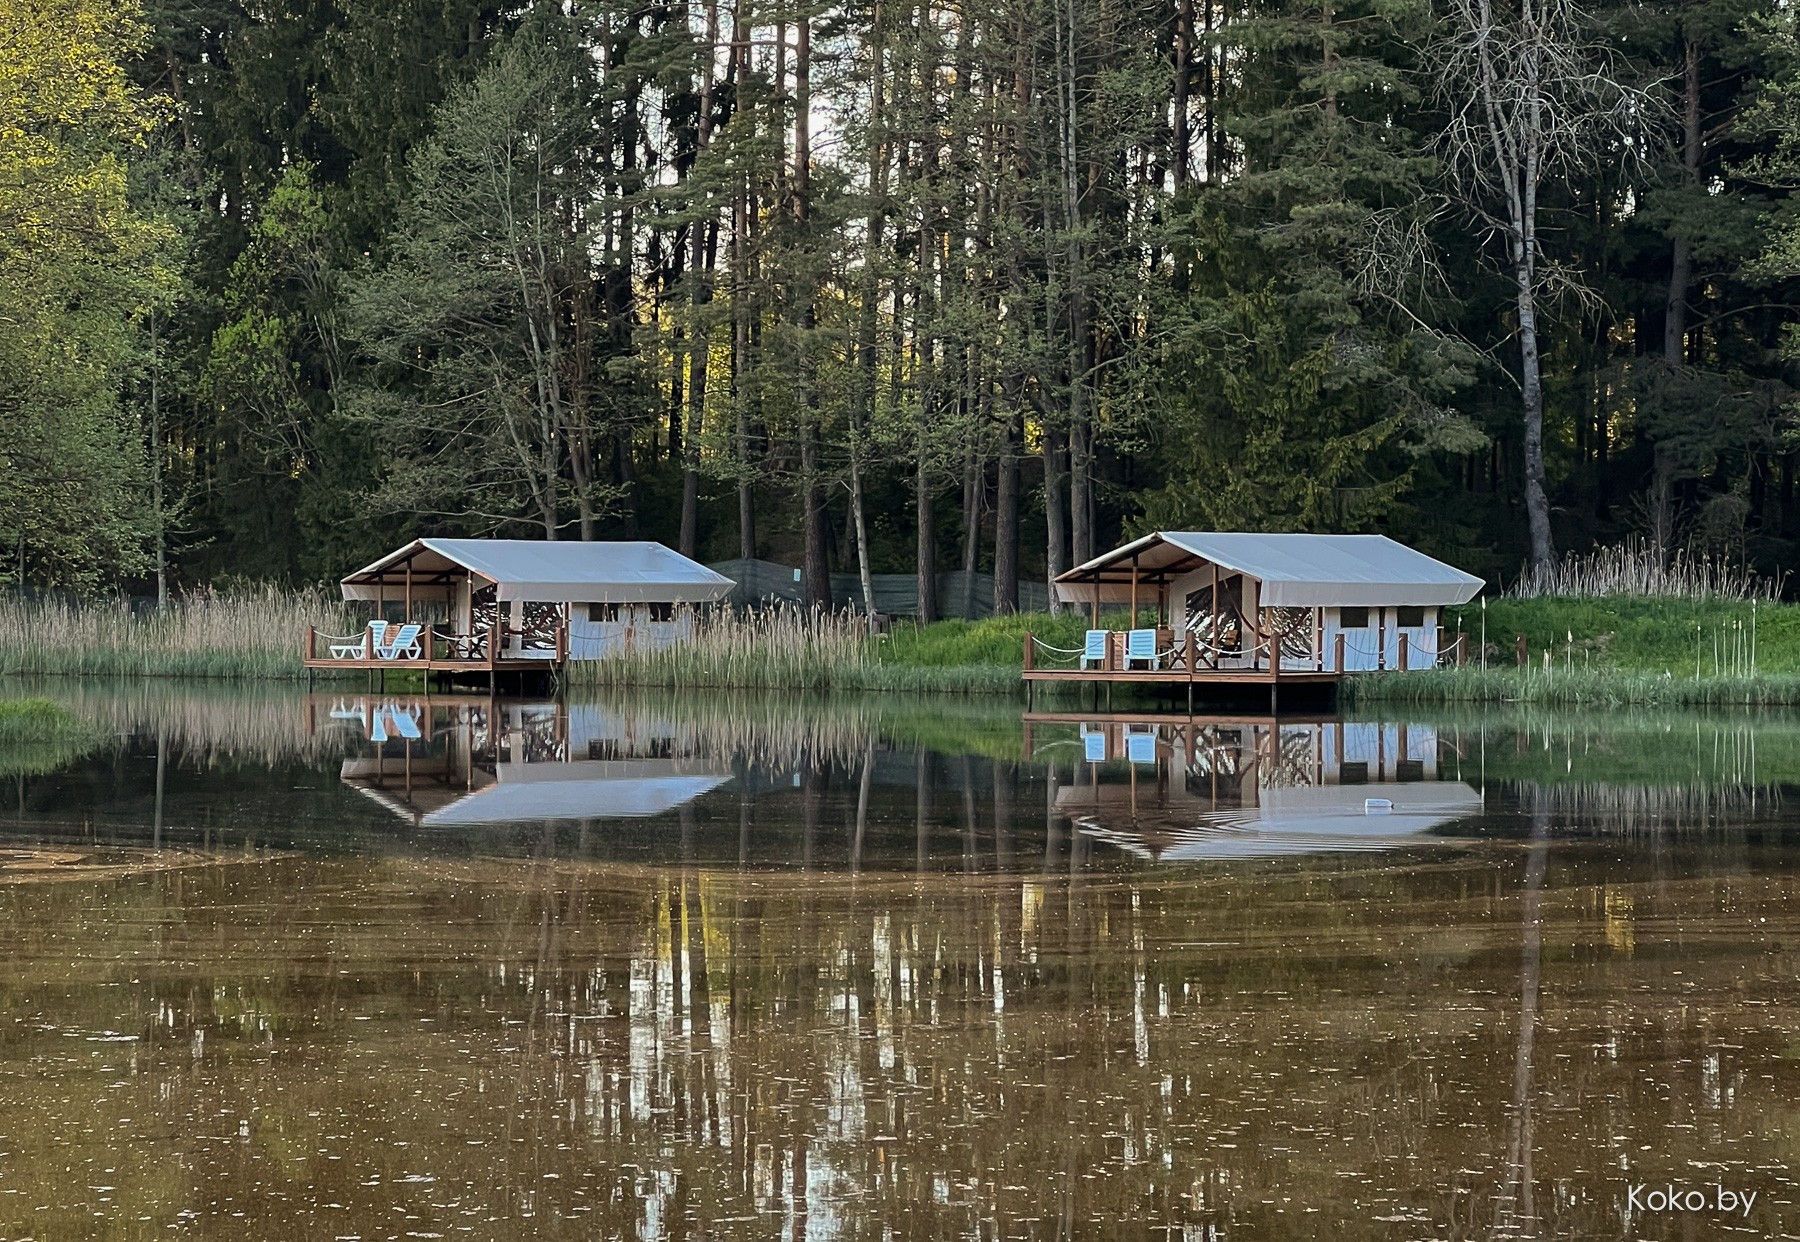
1519	645
1030	660
312	641
1337	665
1134	590
1404	662
1462	649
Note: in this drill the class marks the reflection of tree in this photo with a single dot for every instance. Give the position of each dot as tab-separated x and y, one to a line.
687	1047
1515	1214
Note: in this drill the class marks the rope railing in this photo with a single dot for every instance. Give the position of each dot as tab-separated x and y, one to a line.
1263	647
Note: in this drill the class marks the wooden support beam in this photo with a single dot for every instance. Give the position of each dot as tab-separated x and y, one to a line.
1134	590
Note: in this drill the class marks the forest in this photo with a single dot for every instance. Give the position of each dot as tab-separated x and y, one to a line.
891	286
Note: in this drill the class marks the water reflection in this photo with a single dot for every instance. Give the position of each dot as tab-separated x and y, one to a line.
1241	788
919	971
492	762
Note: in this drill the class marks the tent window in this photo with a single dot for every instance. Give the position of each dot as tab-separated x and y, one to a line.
1353	618
662	612
603	612
1409	618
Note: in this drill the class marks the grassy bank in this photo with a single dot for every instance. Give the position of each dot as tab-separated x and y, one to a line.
37	735
1601	651
1612	651
257	635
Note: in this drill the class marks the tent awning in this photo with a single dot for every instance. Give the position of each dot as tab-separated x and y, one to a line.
574	572
1295	570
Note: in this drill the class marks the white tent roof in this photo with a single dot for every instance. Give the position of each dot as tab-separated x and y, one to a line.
1296	570
563	572
1291	820
583	790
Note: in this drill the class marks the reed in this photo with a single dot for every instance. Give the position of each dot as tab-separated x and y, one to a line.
253	634
1571	687
793	649
1637	567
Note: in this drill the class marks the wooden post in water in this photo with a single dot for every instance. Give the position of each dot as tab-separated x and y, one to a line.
1338	655
1519	645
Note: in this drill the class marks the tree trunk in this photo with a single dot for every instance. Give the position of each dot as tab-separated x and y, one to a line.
973	487
1184	59
927	543
1681	279
816	571
743	213
1056	550
1006	520
157	498
863	400
1537	500
701	276
628	516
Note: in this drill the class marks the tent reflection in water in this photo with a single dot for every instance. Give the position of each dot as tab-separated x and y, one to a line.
442	764
1220	789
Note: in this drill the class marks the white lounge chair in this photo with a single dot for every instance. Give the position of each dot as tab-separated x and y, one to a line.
402	645
392	718
363	647
1093	649
1140	647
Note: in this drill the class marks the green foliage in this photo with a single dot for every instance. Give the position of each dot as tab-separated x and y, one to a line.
80	266
484	306
1306	394
1022	278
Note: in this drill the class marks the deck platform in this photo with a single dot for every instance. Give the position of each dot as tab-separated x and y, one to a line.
455	657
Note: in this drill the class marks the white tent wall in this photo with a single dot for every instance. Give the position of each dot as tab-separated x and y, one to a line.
596	633
1376	644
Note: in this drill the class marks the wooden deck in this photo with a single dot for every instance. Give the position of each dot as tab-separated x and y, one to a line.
476	655
1188	663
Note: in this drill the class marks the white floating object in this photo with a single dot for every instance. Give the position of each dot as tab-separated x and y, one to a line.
1377	806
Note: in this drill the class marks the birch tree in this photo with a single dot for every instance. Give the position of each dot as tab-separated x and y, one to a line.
1531	96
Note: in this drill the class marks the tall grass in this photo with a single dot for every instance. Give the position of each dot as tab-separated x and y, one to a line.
37	735
793	649
1637	567
255	634
774	648
1571	687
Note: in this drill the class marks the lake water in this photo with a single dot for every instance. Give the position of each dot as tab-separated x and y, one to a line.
279	966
